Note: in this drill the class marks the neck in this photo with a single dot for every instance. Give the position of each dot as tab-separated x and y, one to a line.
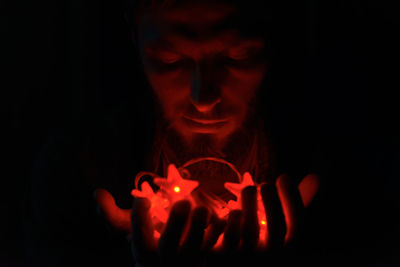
242	149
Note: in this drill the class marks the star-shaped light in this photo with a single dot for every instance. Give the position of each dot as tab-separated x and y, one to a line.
172	189
159	205
146	192
175	187
236	189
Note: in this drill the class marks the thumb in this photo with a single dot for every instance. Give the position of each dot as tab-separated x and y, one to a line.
308	188
117	217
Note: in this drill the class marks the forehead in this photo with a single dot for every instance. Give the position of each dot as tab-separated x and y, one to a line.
192	20
197	17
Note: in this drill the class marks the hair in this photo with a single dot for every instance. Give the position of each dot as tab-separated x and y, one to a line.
133	8
255	13
282	27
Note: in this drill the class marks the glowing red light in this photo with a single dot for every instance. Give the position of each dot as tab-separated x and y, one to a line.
175	184
236	189
162	200
174	188
157	235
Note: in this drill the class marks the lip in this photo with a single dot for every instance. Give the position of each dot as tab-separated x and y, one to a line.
206	121
205	125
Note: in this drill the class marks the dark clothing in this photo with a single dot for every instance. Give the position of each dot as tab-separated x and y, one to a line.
353	219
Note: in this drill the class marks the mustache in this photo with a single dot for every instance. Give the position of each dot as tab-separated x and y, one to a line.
220	112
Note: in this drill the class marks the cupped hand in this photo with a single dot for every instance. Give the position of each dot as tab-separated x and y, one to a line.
284	203
190	235
184	239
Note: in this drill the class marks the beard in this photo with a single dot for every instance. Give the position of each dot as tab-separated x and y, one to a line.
201	145
239	150
172	147
179	149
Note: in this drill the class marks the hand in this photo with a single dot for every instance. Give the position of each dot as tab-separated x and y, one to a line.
183	239
284	205
120	219
186	237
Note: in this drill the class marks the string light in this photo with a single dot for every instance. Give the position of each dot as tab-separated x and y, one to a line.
174	188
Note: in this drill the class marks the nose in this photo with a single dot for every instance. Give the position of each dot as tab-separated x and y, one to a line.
205	92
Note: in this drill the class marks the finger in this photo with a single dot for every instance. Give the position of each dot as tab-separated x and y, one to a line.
274	214
118	218
213	232
170	238
232	231
143	243
292	206
251	228
308	188
194	239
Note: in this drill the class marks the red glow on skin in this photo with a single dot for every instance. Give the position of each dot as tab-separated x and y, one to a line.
119	218
204	82
261	218
204	86
219	242
236	189
172	189
189	12
157	235
308	188
159	205
175	188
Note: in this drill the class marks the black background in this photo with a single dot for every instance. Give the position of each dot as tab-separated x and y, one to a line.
70	62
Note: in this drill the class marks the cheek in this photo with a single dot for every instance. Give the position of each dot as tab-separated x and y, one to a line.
172	90
242	84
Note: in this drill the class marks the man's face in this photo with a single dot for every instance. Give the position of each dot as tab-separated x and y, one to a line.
203	71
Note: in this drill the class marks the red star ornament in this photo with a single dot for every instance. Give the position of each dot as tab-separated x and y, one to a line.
175	187
159	204
236	189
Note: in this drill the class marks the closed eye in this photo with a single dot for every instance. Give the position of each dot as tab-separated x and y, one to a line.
169	57
239	53
164	56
